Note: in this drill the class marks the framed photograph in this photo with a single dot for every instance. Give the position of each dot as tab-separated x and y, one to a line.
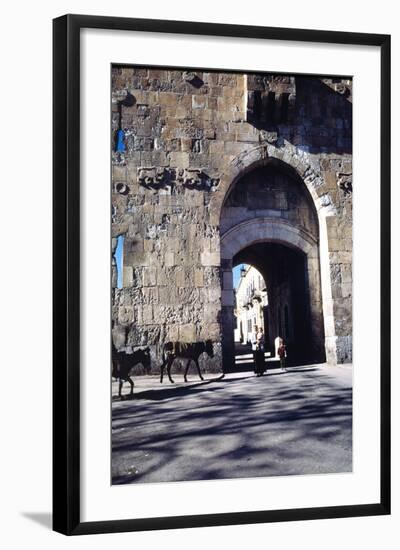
221	274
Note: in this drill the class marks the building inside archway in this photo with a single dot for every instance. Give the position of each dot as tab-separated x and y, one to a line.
251	300
280	303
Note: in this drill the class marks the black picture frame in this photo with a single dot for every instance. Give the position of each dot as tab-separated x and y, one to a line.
66	272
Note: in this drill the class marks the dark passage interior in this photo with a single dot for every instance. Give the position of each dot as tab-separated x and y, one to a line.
287	314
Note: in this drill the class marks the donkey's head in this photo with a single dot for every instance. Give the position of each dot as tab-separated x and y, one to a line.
141	356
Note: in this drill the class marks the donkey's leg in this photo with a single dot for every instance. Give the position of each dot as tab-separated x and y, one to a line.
120	387
162	371
169	365
186	369
131	382
198	368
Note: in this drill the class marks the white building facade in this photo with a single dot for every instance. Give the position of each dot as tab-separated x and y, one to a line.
251	303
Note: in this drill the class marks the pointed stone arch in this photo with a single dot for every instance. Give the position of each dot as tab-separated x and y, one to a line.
297	164
290	158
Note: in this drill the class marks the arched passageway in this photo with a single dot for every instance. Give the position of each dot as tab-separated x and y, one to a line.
269	221
287	313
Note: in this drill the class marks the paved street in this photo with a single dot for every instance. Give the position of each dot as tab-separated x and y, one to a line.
294	422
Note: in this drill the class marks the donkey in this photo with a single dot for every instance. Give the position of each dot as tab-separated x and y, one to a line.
191	352
123	363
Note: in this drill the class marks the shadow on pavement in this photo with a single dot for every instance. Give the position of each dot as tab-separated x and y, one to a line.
235	427
168	391
174	391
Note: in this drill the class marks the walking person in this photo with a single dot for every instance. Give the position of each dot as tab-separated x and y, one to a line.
254	348
282	354
260	359
258	353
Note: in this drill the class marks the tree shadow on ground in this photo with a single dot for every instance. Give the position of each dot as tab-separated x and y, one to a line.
172	391
251	428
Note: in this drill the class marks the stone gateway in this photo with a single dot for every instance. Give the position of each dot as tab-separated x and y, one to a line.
218	169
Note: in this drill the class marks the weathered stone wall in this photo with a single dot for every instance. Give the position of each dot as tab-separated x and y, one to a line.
189	136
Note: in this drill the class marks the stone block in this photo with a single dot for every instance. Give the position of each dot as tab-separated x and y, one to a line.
209	259
215	244
334	245
186	145
136	245
149	276
148	245
193	198
114	276
180	277
118	336
172	333
127	276
348	244
347	289
334	239
198	277
209	133
119	173
169	259
343	256
179	159
181	111
168	99
166	295
174	244
330	179
346	273
150	295
162	279
233	148
199	102
210	331
187	333
205	244
156	74
214	295
147	312
125	315
216	148
211	312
